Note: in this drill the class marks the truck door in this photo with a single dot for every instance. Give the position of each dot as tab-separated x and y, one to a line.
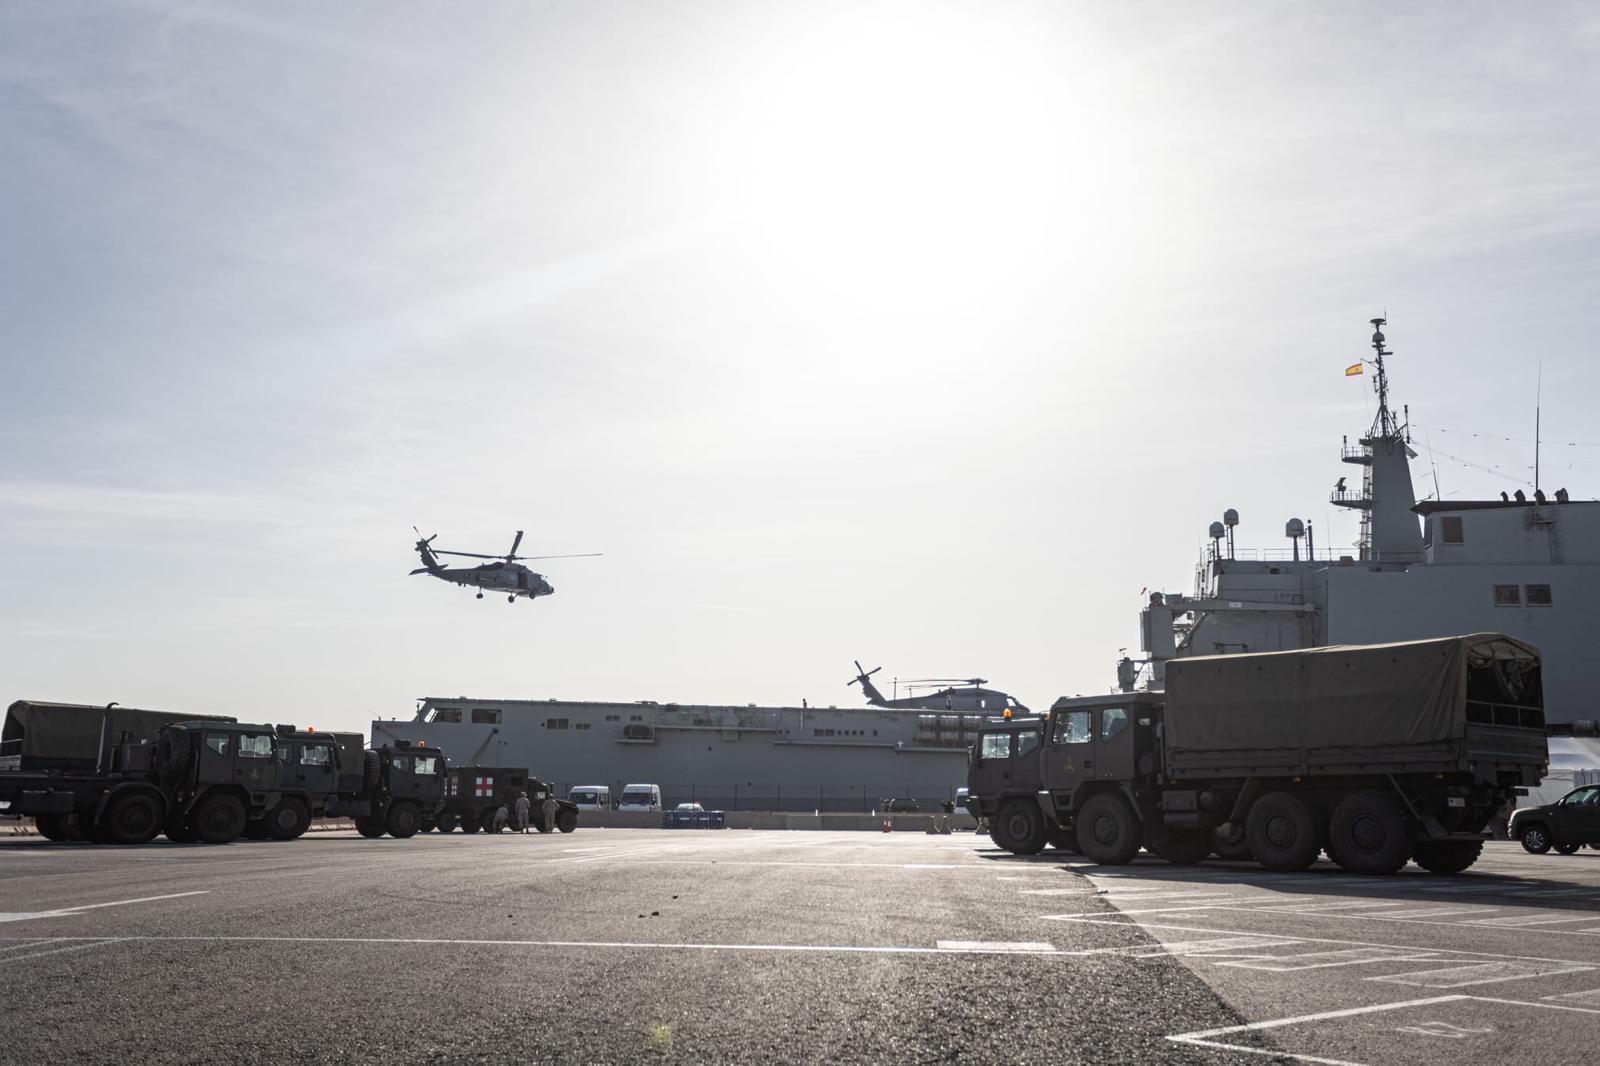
1069	759
214	759
314	769
253	761
1114	754
1573	820
991	766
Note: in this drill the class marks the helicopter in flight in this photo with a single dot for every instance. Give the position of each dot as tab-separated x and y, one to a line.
505	574
960	695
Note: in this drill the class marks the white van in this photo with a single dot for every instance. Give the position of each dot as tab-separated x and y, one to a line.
644	798
590	797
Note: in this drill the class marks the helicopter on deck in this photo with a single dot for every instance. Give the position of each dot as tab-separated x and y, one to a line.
506	574
970	698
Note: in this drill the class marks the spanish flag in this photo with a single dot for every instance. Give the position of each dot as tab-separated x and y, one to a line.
1352	370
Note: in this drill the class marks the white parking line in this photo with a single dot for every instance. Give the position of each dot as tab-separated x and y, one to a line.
1207	1037
67	912
1482	973
1323	960
59	950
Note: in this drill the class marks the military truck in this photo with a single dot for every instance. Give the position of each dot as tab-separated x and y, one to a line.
1378	753
472	794
402	789
195	780
37	735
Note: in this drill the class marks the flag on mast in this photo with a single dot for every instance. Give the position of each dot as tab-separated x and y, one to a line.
1352	370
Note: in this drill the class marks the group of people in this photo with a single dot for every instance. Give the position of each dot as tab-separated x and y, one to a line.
515	817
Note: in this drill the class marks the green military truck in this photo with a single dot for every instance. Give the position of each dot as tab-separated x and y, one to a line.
401	789
389	791
1377	753
473	793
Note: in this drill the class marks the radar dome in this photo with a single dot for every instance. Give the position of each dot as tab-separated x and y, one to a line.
1294	528
1230	517
1217	532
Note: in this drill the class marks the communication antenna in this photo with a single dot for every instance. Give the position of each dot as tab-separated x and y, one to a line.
1538	405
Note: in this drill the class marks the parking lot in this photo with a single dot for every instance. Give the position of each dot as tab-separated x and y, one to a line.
743	946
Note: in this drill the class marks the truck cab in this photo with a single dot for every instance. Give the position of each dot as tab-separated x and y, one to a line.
307	782
217	775
403	789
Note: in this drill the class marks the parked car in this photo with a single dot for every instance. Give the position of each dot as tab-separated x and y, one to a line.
590	797
640	798
689	808
1565	825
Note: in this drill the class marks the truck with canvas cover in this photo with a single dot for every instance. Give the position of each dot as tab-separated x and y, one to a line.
195	780
473	793
1378	753
38	735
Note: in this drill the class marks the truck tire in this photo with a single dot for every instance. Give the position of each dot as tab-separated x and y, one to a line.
256	829
404	820
371	768
179	830
1019	828
51	826
1108	830
470	824
1447	856
1568	849
172	757
1282	832
1185	848
446	822
133	818
1232	847
370	827
1535	838
567	821
1366	834
289	819
219	819
1062	840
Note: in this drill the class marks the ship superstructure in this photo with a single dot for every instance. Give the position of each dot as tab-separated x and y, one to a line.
1523	566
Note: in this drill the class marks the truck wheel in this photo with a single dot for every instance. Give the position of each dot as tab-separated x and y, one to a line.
219	819
567	821
1447	856
1185	848
1062	840
447	822
133	818
51	826
1281	832
1366	834
1108	830
1019	828
404	820
1535	839
371	768
179	830
288	819
470	825
256	829
1568	849
370	827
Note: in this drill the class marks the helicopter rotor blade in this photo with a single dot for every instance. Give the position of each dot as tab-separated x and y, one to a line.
469	555
512	554
581	555
421	570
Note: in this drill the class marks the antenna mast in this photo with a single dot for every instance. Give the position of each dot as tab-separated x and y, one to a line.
1384	425
1538	406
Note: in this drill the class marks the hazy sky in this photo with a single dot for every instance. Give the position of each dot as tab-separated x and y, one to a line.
925	334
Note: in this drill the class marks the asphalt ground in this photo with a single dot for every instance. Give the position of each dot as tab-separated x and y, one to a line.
741	946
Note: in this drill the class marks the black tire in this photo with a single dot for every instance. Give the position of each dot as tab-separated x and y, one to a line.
51	826
404	820
180	830
289	819
1062	840
1367	835
371	768
1535	838
1568	849
446	822
1232	846
1108	830
567	821
1019	827
256	829
172	756
428	825
1282	832
1185	848
470	825
133	818
1447	856
94	832
370	827
220	818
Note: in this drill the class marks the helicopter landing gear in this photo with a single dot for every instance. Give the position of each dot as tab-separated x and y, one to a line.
512	598
480	595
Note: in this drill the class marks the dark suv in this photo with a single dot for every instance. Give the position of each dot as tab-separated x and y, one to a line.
1566	825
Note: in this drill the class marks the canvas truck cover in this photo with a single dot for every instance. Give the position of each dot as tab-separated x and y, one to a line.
1360	696
67	736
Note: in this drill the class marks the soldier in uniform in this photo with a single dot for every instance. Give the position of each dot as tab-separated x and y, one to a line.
550	807
501	817
523	807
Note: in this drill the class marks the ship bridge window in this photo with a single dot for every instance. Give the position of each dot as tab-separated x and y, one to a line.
1538	596
485	716
555	723
1450	529
447	714
1507	596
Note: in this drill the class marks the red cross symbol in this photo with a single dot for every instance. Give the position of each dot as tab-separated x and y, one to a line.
485	786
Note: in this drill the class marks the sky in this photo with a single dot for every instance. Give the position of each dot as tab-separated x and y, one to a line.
926	334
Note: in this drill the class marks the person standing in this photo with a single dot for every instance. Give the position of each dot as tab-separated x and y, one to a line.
550	807
523	807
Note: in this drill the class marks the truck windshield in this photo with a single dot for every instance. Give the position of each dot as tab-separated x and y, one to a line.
1072	727
427	765
255	746
1112	721
634	797
995	746
315	755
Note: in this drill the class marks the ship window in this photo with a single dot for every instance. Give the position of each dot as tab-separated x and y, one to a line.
447	714
555	723
485	716
1113	720
1073	727
1507	596
613	717
581	725
1450	525
636	718
995	746
1027	740
1538	596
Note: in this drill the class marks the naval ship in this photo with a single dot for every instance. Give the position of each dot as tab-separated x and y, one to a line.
912	749
1521	565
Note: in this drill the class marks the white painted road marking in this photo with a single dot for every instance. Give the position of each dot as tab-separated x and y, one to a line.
1322	960
58	950
1482	973
67	912
1207	1037
1026	946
